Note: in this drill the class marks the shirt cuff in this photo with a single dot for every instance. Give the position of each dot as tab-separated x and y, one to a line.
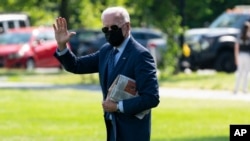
120	105
60	53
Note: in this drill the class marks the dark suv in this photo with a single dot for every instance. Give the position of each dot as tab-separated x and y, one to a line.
81	38
213	47
89	41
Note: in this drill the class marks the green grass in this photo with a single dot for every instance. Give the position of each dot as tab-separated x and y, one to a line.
51	115
76	115
214	81
197	80
197	120
61	77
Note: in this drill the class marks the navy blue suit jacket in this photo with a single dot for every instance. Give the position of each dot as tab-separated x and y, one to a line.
135	62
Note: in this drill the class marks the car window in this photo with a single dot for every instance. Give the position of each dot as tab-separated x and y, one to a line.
99	40
230	20
1	28
14	38
153	36
22	23
11	24
87	36
46	36
138	35
49	35
145	35
14	20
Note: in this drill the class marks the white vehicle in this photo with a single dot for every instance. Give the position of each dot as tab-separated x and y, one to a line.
13	20
158	47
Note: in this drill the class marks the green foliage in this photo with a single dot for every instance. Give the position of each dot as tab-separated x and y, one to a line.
168	20
89	20
165	15
197	10
201	13
41	12
40	19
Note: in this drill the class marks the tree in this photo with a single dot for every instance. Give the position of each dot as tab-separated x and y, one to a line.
206	11
162	14
63	10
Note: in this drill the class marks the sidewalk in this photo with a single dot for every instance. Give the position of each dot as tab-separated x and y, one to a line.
164	92
25	85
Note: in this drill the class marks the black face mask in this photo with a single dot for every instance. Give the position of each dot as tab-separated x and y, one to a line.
115	37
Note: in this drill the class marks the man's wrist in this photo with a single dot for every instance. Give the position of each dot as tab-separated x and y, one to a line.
61	47
60	53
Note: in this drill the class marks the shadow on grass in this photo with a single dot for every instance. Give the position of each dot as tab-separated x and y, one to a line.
23	72
220	138
185	77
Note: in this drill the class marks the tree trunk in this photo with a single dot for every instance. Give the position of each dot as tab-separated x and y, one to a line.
64	11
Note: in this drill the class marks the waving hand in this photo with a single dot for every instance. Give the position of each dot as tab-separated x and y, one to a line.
61	33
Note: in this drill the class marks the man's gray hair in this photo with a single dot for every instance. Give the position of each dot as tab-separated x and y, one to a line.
124	13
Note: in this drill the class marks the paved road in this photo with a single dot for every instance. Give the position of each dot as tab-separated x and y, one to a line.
164	92
13	85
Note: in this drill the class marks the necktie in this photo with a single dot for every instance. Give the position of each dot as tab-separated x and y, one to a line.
111	63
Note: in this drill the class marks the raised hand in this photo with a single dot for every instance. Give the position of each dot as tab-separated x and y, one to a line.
61	33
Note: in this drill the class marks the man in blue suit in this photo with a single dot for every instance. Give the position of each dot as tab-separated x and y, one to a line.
132	60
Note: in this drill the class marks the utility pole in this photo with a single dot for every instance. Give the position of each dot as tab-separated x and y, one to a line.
181	37
64	11
183	21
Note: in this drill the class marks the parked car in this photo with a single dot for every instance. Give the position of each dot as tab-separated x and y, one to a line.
28	48
158	48
81	38
13	20
144	35
213	47
92	45
154	40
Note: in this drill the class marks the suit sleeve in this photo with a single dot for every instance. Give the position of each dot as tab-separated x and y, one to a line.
79	65
147	85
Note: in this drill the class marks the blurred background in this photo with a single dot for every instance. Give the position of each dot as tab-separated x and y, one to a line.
164	27
192	42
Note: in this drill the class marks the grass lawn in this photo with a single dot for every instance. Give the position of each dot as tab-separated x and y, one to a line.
76	115
198	80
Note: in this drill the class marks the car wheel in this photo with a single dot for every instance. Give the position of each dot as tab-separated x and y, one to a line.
225	62
30	64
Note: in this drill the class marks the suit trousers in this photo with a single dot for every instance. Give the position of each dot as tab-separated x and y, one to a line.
242	72
110	130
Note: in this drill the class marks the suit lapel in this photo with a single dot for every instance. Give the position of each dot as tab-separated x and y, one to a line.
123	58
119	65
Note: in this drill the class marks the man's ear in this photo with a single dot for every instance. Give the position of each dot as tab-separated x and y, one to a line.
128	28
128	25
